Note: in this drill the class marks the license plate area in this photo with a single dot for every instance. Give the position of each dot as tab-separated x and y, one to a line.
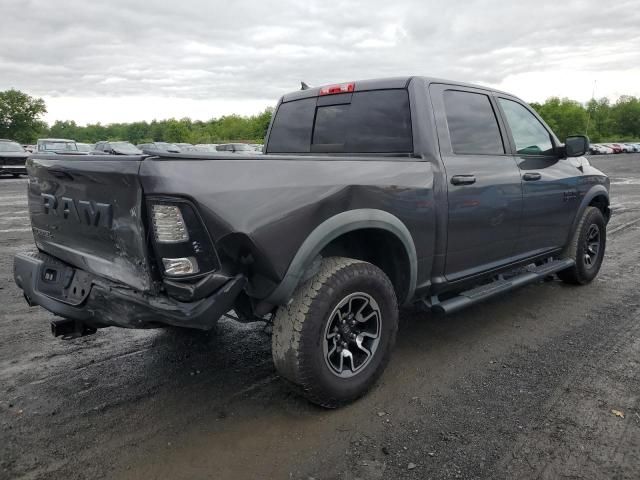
62	282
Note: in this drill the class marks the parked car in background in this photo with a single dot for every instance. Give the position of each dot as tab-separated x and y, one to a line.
625	148
159	147
56	145
621	147
632	147
614	146
596	149
211	147
116	148
241	148
196	148
12	158
84	147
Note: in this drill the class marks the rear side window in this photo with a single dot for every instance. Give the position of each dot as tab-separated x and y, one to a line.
377	121
473	127
291	129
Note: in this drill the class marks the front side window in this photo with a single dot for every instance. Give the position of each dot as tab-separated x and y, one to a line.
473	127
529	135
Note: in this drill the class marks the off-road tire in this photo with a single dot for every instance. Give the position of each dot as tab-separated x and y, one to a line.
299	331
581	273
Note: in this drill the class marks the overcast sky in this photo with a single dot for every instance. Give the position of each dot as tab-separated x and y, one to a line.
125	60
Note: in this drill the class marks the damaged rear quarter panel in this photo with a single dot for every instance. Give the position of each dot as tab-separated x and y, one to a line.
276	201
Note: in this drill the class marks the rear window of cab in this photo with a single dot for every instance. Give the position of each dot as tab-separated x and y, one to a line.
376	121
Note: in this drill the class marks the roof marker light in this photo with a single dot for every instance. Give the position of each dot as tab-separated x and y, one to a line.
338	88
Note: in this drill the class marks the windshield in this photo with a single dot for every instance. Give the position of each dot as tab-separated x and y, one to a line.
57	146
125	147
10	147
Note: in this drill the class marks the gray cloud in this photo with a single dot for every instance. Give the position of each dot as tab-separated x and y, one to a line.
257	50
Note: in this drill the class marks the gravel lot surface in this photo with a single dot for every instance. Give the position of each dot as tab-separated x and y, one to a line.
542	383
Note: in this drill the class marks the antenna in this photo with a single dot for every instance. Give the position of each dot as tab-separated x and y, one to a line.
304	86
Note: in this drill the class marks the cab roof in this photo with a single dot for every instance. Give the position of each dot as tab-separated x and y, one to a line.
384	84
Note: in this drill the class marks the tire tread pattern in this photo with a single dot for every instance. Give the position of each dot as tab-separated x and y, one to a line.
287	341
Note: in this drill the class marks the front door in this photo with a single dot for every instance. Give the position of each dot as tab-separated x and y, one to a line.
549	182
483	182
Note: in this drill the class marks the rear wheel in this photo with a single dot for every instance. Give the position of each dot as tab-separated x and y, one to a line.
334	339
586	248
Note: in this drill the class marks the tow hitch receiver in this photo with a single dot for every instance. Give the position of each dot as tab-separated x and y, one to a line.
69	329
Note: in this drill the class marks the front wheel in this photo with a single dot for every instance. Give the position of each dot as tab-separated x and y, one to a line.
586	248
334	339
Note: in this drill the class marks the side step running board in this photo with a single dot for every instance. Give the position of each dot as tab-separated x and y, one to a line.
479	294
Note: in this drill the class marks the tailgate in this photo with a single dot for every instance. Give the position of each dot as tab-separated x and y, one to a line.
86	211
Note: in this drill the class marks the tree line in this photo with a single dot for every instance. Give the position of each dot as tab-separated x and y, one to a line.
20	119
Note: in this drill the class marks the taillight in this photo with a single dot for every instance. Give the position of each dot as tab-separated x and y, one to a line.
181	242
176	267
338	88
168	224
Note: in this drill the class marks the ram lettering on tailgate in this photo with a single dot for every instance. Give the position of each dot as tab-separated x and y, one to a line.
94	214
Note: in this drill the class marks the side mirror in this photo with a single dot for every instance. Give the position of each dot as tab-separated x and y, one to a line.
576	145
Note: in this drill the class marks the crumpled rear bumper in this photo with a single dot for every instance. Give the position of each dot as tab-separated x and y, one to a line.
109	304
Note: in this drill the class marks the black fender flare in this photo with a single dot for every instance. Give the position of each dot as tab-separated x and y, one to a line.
331	229
593	192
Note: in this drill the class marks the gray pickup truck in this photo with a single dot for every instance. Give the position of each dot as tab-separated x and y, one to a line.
371	195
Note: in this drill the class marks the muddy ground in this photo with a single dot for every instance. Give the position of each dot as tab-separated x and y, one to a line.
524	386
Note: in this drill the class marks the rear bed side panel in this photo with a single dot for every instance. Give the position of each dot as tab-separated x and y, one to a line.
87	212
277	201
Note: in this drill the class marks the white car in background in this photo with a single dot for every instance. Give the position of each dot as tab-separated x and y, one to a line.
597	149
626	148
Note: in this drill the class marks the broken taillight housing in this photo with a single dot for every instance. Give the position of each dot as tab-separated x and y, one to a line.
181	242
179	267
168	224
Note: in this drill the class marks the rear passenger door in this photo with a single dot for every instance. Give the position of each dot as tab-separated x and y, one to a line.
549	183
483	181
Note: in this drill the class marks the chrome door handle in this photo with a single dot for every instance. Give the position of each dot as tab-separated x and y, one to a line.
531	176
